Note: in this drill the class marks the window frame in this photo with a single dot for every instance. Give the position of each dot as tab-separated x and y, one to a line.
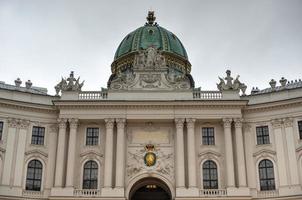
35	181
300	129
1	130
269	182
90	180
93	137
38	139
262	137
207	137
211	180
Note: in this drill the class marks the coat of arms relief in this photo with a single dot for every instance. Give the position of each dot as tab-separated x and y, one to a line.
150	159
150	71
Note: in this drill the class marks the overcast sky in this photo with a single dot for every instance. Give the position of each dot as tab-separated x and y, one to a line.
43	40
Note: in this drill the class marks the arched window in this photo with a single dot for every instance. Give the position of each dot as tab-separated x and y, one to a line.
34	175
210	177
266	175
90	176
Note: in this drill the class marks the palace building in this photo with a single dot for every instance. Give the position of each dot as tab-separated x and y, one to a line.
151	133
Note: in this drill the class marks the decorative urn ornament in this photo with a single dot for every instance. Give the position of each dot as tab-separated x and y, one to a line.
150	157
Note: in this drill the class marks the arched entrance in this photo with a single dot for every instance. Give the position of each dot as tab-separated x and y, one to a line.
150	189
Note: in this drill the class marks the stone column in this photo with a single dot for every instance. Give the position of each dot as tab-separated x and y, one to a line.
191	153
52	143
9	151
180	163
73	125
293	164
60	153
227	123
240	153
249	140
19	164
281	161
120	153
108	153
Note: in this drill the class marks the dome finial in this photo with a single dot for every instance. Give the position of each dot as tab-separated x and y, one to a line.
150	18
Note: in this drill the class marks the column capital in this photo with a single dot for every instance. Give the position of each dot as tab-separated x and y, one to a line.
276	123
73	123
179	122
120	123
109	123
53	128
62	123
190	122
227	122
238	122
23	123
288	122
247	127
12	122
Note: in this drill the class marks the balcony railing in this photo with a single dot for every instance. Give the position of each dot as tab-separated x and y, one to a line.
268	193
213	192
198	94
33	194
87	192
93	95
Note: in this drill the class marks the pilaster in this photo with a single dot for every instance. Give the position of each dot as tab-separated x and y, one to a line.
73	124
240	153
180	164
60	158
227	123
108	153
120	153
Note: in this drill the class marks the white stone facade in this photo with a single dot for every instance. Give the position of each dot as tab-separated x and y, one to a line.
174	127
220	144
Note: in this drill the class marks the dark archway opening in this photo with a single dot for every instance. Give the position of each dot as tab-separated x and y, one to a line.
150	189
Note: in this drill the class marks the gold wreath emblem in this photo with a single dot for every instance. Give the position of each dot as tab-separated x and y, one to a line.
150	159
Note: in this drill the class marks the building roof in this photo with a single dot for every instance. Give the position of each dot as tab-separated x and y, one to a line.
151	35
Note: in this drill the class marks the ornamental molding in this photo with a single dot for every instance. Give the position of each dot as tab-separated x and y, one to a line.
209	154
164	164
150	71
18	123
92	153
264	153
270	106
37	153
179	122
62	123
32	107
2	150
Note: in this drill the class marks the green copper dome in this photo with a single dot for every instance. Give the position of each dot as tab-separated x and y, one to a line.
151	35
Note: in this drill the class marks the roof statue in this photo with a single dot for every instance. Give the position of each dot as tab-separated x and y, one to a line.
69	84
228	84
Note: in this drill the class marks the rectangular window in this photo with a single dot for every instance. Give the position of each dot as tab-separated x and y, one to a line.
38	135
300	129
92	136
262	135
208	136
1	130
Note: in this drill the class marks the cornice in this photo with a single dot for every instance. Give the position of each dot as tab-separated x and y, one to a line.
264	152
113	104
283	104
19	105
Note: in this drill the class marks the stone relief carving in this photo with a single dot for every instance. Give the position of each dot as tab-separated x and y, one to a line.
150	71
149	58
228	84
69	84
164	164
